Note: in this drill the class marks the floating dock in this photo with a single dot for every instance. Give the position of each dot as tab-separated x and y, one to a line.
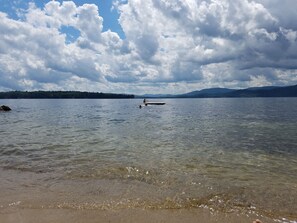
154	103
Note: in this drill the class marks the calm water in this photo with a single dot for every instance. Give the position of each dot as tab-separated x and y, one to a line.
229	155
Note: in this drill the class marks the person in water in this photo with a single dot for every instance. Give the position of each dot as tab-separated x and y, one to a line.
144	101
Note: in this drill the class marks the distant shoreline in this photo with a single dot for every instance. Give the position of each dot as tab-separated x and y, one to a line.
256	92
61	95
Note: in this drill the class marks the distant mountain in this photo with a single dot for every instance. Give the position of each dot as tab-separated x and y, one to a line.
211	92
155	96
268	91
289	91
193	94
262	88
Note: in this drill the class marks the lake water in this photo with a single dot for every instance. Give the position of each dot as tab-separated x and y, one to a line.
225	155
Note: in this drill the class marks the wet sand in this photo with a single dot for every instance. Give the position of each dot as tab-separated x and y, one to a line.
24	198
13	215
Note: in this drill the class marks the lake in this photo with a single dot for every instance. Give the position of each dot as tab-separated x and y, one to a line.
232	155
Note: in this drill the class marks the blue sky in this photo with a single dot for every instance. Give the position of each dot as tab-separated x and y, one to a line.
106	10
152	46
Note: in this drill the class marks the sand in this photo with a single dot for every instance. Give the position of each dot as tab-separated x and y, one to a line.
20	215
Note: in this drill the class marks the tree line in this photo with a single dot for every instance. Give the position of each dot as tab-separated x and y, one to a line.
60	95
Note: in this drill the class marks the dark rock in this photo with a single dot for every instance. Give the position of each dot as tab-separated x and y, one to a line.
5	108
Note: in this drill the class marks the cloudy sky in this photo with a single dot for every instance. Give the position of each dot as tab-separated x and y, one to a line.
151	46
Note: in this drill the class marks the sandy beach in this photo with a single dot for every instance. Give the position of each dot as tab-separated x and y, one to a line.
13	215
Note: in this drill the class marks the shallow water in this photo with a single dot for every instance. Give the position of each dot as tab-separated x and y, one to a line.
227	155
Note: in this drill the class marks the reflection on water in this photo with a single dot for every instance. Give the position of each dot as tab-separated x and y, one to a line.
227	154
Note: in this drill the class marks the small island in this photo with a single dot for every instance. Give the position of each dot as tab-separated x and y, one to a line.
61	95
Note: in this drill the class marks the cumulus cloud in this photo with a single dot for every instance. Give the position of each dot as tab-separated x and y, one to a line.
170	46
35	50
198	40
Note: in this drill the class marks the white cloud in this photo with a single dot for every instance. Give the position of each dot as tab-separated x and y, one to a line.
170	46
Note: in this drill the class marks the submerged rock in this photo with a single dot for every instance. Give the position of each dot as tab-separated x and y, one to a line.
5	108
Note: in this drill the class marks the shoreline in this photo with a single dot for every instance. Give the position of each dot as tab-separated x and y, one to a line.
26	215
25	197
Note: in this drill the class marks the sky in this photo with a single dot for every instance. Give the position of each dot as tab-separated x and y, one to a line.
151	46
